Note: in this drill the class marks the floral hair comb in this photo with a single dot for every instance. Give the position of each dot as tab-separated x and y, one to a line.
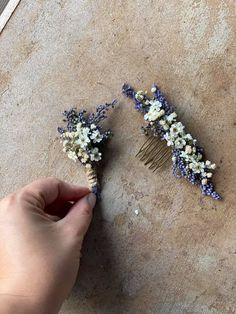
83	139
187	157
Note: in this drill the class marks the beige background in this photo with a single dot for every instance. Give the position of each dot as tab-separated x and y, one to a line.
179	254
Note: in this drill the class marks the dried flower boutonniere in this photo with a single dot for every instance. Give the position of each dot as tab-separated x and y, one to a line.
187	157
83	139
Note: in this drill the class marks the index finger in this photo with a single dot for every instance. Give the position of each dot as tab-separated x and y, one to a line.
52	189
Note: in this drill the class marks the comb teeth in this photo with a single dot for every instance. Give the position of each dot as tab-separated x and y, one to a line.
154	153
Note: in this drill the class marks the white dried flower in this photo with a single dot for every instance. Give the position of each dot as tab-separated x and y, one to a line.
164	124
95	154
153	115
188	149
139	95
176	129
155	105
72	155
198	156
79	126
188	137
209	175
170	139
197	167
96	136
85	131
180	143
153	89
204	181
65	142
171	117
83	141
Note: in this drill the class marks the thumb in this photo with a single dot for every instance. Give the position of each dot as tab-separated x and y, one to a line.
80	215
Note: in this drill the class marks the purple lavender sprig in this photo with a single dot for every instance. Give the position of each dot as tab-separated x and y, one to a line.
188	157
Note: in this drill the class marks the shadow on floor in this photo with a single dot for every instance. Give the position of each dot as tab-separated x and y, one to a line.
98	283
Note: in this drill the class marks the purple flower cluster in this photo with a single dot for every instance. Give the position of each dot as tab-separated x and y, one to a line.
73	117
180	170
188	157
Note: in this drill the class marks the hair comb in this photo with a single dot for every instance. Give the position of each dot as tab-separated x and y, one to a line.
166	138
83	139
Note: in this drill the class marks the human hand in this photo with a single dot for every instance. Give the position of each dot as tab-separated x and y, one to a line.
41	234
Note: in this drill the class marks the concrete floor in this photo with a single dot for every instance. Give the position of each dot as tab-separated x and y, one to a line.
179	254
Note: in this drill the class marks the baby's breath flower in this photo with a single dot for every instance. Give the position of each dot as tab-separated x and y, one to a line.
95	154
72	155
139	95
154	115
170	139
179	143
155	105
188	137
164	124
197	167
171	117
84	160
204	181
208	163
83	141
65	142
198	156
188	149
96	137
79	126
85	131
177	128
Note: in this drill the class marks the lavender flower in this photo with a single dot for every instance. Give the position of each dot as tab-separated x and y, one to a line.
188	157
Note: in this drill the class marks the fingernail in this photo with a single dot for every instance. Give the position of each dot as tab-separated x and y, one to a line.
91	198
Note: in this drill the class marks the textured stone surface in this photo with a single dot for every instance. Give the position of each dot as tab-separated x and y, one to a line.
179	254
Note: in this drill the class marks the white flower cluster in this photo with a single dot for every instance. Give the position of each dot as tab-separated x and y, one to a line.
79	144
177	138
155	112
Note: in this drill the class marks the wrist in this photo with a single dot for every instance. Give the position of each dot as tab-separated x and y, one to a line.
17	304
21	294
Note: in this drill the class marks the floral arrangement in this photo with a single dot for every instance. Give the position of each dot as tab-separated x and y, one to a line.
83	139
188	158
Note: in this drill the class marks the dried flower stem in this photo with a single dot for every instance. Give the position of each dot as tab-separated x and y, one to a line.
92	178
